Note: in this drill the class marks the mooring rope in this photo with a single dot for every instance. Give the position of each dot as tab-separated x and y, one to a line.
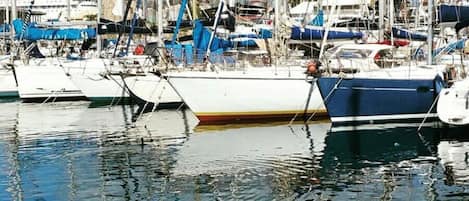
324	102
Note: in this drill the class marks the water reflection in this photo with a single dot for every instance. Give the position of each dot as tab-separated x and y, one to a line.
69	151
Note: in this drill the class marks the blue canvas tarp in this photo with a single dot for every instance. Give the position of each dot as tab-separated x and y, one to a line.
34	33
317	33
453	13
407	34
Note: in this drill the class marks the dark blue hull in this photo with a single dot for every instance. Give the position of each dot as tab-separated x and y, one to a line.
362	100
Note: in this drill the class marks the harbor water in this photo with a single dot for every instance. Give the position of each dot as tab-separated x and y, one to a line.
74	151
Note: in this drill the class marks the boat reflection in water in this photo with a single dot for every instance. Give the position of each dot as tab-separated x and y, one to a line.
394	161
453	151
378	161
376	145
65	151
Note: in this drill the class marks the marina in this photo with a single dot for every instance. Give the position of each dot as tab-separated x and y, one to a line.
234	100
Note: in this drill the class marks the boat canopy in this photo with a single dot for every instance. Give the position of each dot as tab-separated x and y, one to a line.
33	32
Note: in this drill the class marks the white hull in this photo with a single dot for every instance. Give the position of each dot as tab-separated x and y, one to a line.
7	84
258	94
93	78
45	81
151	89
453	104
98	88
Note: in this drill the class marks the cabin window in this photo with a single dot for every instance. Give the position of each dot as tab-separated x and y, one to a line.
353	54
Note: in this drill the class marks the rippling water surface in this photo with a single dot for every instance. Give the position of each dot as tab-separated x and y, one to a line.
70	151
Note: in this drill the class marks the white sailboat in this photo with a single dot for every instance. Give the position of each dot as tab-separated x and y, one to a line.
249	93
149	90
258	93
453	103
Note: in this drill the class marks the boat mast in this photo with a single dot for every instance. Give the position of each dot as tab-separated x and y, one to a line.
69	10
221	4
430	33
98	20
391	19
195	9
276	31
122	28
182	9
7	12
160	23
14	13
134	23
381	20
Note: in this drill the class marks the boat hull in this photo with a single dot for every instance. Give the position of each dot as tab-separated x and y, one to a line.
8	87
366	100
453	104
151	92
102	89
46	83
217	99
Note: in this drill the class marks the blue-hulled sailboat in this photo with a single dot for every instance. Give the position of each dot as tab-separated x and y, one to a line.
405	93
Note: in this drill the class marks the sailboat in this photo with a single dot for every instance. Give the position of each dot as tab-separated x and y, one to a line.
45	79
146	87
249	90
100	78
405	93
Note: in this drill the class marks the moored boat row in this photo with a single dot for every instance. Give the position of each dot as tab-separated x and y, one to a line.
357	82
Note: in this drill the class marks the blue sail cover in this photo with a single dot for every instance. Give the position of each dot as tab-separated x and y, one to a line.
201	37
406	34
319	19
317	33
34	33
453	13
